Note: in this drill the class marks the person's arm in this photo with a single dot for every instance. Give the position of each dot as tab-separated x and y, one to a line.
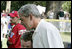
2	25
12	38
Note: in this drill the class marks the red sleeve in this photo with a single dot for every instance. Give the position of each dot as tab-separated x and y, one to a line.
21	29
12	38
16	33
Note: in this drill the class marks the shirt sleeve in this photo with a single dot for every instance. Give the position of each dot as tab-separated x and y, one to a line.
12	38
16	34
21	29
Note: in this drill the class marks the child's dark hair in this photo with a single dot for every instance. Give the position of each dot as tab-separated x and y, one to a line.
27	36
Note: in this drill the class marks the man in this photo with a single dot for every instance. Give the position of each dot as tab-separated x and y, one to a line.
61	14
17	31
45	35
61	17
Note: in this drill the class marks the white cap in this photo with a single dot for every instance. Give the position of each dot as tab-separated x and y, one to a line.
41	9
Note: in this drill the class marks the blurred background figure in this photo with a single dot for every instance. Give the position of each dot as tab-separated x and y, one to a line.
61	17
3	12
4	27
50	14
67	24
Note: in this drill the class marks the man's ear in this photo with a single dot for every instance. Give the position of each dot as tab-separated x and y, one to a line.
31	16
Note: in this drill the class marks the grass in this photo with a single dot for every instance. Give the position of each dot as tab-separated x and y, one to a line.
66	36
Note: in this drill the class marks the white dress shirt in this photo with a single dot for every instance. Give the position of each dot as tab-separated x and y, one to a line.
47	35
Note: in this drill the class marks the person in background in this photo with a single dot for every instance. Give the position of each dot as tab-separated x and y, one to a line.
4	23
61	14
4	27
67	24
51	14
3	12
17	31
61	17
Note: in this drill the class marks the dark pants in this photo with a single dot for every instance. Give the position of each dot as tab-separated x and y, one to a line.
1	44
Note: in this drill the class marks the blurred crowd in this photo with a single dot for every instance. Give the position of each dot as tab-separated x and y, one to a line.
60	15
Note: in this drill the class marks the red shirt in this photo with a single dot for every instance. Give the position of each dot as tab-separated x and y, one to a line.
16	33
12	24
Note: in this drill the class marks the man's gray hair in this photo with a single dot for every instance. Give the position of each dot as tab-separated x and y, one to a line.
28	9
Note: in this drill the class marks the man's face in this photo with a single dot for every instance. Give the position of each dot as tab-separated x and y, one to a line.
27	22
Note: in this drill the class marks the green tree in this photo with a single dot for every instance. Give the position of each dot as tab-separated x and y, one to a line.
3	5
67	6
17	4
53	5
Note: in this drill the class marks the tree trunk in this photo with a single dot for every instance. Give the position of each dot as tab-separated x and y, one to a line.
48	3
54	5
8	6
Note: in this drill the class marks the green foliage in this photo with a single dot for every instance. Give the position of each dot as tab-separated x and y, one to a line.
3	5
42	3
67	6
15	5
